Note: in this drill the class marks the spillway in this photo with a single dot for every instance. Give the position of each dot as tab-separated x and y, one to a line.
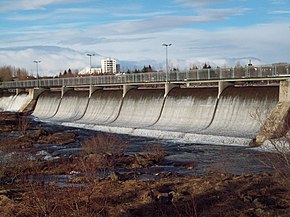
197	113
5	102
72	106
47	104
241	111
103	107
140	108
188	109
13	102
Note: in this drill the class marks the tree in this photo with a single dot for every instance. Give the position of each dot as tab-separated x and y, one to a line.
5	73
21	74
206	66
147	69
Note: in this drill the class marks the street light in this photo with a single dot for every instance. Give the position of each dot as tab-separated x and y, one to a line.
166	54
37	77
90	55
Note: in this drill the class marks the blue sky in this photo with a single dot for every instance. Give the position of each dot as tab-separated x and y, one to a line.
219	32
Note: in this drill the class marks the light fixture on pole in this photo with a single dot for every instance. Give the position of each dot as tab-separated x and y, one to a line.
37	77
166	54
90	55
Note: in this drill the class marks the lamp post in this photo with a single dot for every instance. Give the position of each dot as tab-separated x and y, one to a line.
37	77
90	55
166	54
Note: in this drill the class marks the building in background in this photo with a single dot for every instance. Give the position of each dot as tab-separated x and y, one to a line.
91	71
109	66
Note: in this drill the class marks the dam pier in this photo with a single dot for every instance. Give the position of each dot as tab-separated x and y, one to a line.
202	106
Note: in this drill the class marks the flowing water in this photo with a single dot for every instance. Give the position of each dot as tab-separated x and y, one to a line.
191	124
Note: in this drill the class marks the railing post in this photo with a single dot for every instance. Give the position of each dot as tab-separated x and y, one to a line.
208	74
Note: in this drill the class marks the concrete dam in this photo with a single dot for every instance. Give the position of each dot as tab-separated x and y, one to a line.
238	112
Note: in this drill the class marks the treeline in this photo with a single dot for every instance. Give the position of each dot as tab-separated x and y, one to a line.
145	69
68	73
9	73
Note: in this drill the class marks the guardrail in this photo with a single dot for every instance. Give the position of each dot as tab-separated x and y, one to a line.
156	77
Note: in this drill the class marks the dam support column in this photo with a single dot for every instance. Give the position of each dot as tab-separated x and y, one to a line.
31	101
168	88
126	88
19	90
92	89
65	89
34	93
223	85
276	126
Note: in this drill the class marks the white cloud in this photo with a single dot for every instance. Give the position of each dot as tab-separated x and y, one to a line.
264	44
199	3
53	59
13	5
280	12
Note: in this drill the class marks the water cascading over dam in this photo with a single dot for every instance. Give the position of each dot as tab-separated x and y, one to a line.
242	110
188	109
72	106
237	112
141	108
103	108
13	102
47	105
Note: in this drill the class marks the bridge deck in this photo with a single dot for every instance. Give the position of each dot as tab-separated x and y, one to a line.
187	77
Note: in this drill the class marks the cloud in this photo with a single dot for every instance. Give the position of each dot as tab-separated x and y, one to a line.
278	2
198	3
58	14
280	12
164	23
220	47
14	5
53	59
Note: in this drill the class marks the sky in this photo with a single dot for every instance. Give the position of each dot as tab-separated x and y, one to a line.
60	33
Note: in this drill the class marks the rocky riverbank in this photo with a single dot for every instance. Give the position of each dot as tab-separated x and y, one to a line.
96	177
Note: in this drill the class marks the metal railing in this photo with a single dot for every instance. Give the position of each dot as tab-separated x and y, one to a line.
267	72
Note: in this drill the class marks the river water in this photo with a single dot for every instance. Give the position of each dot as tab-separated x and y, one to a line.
180	156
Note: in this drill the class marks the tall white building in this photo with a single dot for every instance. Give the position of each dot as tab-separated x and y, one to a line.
109	66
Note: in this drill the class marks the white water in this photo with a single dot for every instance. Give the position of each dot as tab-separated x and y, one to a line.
140	108
241	111
47	105
103	107
72	106
190	114
187	110
13	103
5	102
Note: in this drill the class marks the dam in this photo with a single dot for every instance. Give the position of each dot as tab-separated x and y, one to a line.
227	113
